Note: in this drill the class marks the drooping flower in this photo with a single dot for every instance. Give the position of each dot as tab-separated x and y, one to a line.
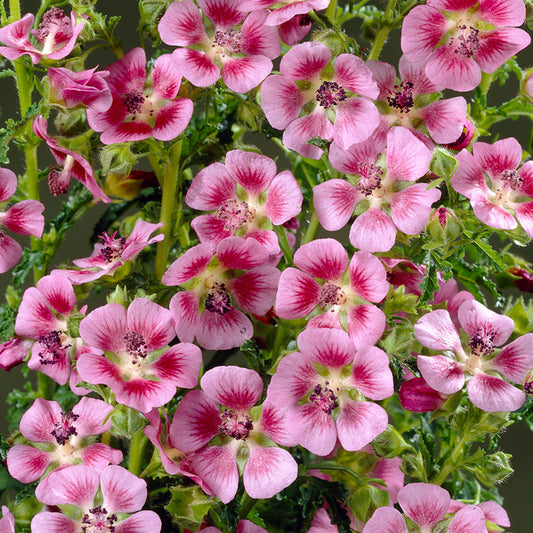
7	522
86	87
383	183
219	286
57	34
238	47
497	188
61	439
489	372
24	218
222	410
295	29
311	98
112	253
324	388
417	396
247	197
425	505
405	103
462	38
283	10
96	502
141	109
130	354
72	165
13	352
334	291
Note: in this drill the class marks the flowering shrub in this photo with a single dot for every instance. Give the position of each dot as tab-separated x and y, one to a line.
294	298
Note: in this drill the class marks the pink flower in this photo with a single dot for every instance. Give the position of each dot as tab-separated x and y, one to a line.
426	506
62	439
385	188
24	218
320	403
462	38
7	522
244	526
73	165
247	196
56	32
334	292
77	487
488	373
330	103
244	47
86	87
284	10
418	397
13	352
495	514
497	189
403	103
44	317
295	29
223	409
236	276
141	110
112	253
138	367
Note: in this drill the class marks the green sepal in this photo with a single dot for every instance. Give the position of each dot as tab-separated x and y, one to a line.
188	506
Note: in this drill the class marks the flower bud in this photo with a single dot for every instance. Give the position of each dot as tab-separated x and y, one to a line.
443	225
465	138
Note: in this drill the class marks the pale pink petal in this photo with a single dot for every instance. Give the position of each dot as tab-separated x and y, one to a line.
524	215
301	130
45	522
58	292
435	330
124	131
253	172
424	503
468	178
305	61
411	208
222	332
153	322
505	154
314	429
181	25
25	218
245	526
10	253
27	464
196	66
323	258
35	316
281	101
185	309
259	39
331	348
386	520
97	369
503	12
233	386
222	13
353	74
172	119
368	278
210	230
98	456
140	522
495	513
407	157
242	254
356	120
499	45
245	73
371	374
441	373
105	327
468	518
180	365
417	396
358	158
211	187
359	423
384	75
493	394
334	202
143	394
445	119
284	198
188	266
514	360
273	424
128	73
8	184
298	294
93	414
217	467
75	485
255	291
122	491
415	72
475	318
366	324
39	420
373	231
268	471
294	30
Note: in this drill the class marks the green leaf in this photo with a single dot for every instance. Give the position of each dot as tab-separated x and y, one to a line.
188	506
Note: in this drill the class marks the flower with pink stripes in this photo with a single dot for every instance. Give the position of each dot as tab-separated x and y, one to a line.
281	11
324	388
335	291
222	410
238	47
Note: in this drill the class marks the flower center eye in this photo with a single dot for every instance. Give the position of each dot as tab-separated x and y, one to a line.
304	20
331	294
229	40
133	102
52	348
466	42
53	22
98	521
329	94
324	398
58	181
482	343
401	97
235	214
113	247
236	427
512	178
65	429
135	346
217	300
370	180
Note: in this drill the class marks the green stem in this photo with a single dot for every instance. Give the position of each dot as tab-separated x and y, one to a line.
45	386
247	504
137	444
312	228
331	10
171	183
331	466
379	42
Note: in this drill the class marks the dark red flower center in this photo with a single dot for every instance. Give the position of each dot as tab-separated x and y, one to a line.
65	429
218	300
52	349
401	97
304	20
229	40
482	343
135	346
133	101
324	398
370	180
113	247
54	23
331	294
466	42
329	94
512	178
235	426
98	521
235	214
